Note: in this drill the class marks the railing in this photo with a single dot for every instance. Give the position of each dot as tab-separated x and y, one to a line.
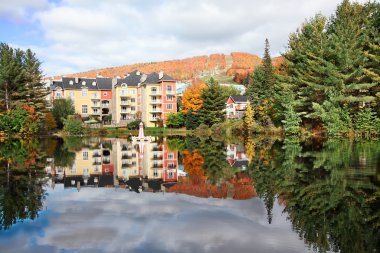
123	94
106	161
157	149
95	97
96	155
157	166
153	119
157	92
170	92
96	113
157	157
105	105
155	110
125	102
157	101
96	163
126	157
95	105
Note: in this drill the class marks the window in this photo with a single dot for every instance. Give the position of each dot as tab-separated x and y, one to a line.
153	90
171	165
133	154
84	83
133	92
84	92
96	169
133	163
133	100
155	173
133	108
96	111
169	106
58	94
85	172
169	88
71	94
169	98
106	170
105	93
171	174
85	155
123	92
84	109
71	82
171	156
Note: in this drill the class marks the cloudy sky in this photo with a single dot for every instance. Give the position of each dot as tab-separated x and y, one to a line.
77	35
108	220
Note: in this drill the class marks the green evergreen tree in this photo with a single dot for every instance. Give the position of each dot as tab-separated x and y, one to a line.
12	75
213	104
191	121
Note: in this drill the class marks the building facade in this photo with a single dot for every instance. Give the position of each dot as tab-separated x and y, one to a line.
236	106
150	97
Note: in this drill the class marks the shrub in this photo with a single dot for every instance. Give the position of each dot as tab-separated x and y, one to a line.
62	108
73	126
134	125
175	120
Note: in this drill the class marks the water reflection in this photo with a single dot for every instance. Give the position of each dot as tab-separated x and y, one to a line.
325	193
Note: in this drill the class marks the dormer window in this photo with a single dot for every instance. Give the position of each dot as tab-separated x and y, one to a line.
71	82
84	83
94	83
124	85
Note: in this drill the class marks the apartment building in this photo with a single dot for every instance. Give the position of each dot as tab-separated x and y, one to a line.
152	96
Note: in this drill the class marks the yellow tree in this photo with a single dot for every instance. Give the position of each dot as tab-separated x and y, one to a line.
248	118
191	98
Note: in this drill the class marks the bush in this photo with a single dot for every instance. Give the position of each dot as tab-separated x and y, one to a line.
134	125
22	120
73	126
175	120
62	108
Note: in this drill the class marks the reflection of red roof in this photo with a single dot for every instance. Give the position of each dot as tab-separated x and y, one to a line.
107	168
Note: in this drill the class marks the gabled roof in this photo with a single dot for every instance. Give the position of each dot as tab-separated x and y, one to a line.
104	83
239	99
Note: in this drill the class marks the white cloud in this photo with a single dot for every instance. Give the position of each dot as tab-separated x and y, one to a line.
18	9
82	35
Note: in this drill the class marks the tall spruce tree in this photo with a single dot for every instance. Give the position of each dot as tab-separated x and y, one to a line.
213	103
12	75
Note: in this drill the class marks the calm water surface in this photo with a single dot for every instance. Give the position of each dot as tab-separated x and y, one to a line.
184	194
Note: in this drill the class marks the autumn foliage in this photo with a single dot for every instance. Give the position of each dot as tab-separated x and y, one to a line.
191	98
188	68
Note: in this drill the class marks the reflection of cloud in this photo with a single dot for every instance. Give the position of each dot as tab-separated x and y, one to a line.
109	220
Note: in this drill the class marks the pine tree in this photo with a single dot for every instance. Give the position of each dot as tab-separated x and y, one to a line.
213	104
191	121
12	74
34	91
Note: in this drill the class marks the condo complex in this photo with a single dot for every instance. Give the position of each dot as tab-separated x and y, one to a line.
150	97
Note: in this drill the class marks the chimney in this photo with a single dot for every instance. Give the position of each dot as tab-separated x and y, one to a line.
76	80
160	74
114	81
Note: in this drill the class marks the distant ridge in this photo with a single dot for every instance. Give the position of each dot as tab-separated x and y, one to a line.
227	67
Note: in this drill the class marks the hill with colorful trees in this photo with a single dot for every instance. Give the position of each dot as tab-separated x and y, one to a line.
236	66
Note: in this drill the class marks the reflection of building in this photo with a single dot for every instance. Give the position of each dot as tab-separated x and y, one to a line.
236	156
114	163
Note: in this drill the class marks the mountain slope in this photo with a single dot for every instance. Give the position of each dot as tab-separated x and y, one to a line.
222	67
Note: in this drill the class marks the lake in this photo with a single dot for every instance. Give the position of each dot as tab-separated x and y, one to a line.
189	194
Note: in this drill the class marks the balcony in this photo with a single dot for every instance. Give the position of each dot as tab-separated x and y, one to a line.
106	161
157	157
157	149
153	119
95	105
126	157
169	92
96	112
97	163
125	165
95	97
125	102
155	93
107	105
155	101
123	94
154	110
157	166
96	155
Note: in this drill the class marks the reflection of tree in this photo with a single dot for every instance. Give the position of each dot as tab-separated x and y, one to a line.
21	182
329	199
215	162
193	165
63	157
262	171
